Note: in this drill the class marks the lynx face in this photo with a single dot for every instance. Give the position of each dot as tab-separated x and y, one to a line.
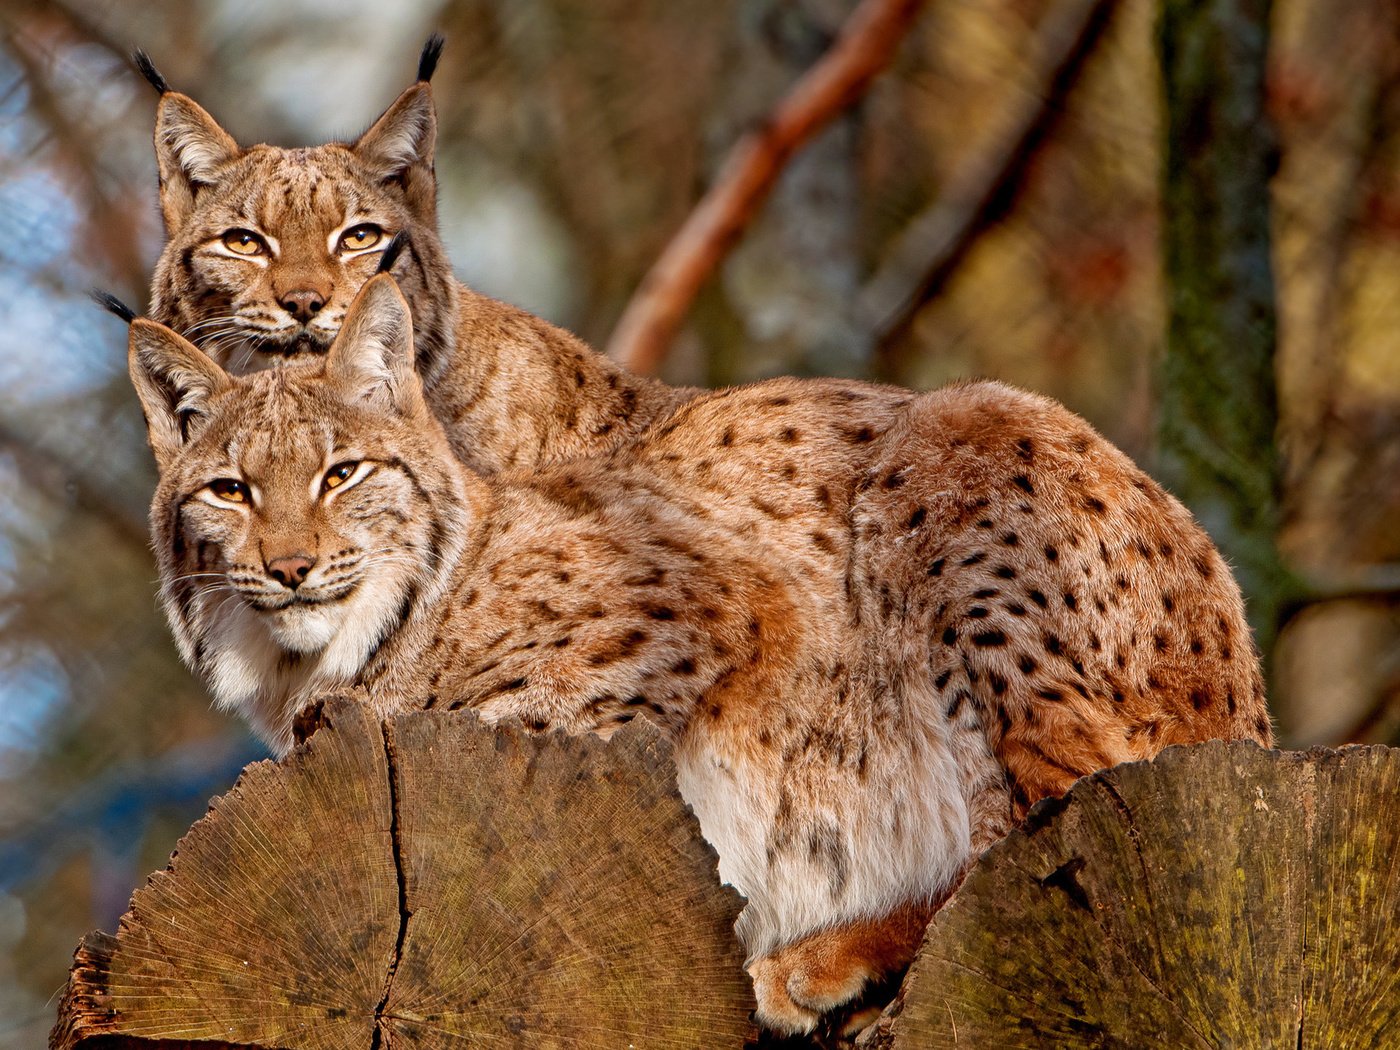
299	514
266	247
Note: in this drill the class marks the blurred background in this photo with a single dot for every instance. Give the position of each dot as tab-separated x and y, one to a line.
575	137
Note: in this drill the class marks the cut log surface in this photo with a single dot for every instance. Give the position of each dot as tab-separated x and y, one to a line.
1218	896
427	882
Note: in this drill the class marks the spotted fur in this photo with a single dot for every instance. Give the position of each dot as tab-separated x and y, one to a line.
510	389
878	625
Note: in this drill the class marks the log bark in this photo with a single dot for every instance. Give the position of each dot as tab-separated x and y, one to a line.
1219	895
427	883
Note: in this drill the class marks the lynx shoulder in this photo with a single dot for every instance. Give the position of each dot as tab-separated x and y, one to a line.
878	625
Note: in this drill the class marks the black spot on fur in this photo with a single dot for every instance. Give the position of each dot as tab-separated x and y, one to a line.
1051	553
1011	539
977	612
989	639
974	559
1200	699
936	569
942	680
395	248
950	635
1006	572
1028	665
1024	483
917	518
1039	599
1024	448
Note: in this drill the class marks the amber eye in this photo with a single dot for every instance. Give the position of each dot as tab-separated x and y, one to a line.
229	490
338	475
244	242
365	235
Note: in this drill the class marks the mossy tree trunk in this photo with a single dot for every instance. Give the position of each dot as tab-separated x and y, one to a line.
1219	409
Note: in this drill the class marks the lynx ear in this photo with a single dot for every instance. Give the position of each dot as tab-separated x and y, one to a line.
175	381
190	148
399	148
372	357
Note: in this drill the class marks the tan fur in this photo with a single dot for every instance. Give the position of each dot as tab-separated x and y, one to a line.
510	389
878	625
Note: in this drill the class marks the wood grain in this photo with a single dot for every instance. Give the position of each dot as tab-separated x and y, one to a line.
1219	895
427	883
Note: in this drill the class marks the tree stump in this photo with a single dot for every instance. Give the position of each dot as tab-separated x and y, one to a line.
427	883
1218	896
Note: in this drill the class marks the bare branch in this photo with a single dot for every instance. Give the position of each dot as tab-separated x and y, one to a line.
863	49
1361	583
67	482
935	242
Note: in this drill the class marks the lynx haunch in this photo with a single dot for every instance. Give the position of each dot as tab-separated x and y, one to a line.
878	625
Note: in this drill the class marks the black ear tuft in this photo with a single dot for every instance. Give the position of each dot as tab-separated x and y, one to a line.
110	302
392	253
149	71
428	60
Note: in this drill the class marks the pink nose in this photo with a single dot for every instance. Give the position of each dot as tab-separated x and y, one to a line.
303	304
291	570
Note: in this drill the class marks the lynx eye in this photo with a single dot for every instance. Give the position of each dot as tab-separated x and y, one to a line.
229	490
338	475
244	242
365	235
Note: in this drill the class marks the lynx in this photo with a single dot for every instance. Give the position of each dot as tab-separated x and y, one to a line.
265	248
878	625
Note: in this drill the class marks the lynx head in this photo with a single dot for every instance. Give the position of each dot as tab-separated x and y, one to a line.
266	247
302	515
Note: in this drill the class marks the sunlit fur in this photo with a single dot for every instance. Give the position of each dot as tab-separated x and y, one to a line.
878	625
511	389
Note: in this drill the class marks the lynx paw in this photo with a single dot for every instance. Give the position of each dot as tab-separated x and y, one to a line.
796	985
800	982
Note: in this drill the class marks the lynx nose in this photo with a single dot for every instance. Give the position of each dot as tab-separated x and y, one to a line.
290	571
303	305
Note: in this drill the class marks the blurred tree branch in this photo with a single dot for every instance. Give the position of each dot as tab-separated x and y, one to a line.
67	482
863	49
1362	583
115	230
927	252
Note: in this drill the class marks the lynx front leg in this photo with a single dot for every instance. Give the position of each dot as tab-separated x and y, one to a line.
800	982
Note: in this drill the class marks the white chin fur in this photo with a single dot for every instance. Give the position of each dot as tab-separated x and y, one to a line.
267	665
306	628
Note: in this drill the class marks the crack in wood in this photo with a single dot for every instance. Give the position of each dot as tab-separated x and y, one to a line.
380	1037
